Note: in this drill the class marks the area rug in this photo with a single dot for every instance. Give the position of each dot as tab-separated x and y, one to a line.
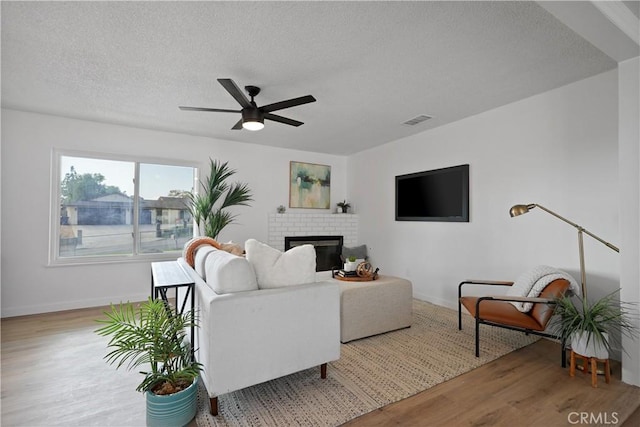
371	373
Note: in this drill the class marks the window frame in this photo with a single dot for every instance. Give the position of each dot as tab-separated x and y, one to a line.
55	194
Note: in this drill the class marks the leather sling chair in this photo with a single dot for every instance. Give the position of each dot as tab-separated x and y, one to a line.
497	311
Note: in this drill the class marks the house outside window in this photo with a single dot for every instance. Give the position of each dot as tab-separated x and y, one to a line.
113	209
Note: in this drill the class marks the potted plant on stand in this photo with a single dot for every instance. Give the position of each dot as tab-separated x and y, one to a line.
593	329
154	336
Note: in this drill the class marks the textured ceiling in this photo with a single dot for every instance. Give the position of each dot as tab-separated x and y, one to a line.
370	65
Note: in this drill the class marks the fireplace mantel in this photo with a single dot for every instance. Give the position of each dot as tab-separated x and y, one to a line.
311	224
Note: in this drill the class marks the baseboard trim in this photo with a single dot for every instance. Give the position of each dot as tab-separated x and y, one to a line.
436	301
68	305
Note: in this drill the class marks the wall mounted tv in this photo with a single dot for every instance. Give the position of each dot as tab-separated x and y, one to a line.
435	195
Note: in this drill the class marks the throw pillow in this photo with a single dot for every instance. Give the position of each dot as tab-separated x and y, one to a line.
360	252
227	273
276	269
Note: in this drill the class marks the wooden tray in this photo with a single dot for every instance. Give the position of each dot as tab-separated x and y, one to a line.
356	278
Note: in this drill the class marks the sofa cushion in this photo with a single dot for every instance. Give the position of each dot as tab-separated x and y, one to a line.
276	269
227	273
200	258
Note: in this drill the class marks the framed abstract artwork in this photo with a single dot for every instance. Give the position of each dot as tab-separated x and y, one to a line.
309	186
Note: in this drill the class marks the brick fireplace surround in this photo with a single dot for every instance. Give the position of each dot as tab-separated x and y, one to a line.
311	224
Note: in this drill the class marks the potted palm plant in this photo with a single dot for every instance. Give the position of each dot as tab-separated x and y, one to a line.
153	335
593	329
210	208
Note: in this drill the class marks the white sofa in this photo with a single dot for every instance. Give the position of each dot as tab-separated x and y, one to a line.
249	333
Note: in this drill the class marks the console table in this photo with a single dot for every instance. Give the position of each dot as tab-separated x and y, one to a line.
168	275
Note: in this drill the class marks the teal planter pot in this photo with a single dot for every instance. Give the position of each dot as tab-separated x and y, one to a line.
173	410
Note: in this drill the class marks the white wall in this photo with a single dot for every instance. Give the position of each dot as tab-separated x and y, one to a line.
30	286
629	136
558	149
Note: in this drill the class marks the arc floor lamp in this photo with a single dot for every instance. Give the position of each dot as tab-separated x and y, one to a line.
522	209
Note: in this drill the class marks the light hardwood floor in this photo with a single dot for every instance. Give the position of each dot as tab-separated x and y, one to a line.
53	374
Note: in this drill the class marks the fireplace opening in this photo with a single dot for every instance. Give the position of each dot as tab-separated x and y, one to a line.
328	249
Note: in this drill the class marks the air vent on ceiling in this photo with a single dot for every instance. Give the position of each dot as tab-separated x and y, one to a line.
416	120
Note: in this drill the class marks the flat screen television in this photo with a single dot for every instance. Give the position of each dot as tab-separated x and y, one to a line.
435	195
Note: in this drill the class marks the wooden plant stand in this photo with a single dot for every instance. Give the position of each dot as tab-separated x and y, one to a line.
593	363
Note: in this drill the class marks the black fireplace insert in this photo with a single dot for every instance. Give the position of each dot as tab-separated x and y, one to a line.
328	249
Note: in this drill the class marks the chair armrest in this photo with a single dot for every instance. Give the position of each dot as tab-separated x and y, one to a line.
487	282
480	282
516	299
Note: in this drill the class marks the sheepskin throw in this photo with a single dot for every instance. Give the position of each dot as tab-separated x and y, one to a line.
532	282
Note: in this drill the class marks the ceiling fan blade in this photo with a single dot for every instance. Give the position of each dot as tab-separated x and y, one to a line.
281	119
235	91
216	110
238	125
288	103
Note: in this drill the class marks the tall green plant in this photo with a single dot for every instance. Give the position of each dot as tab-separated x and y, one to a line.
209	208
154	335
606	315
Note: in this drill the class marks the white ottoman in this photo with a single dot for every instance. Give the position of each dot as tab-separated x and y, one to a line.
375	307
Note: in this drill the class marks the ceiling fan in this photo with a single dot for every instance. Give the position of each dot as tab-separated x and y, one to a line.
253	116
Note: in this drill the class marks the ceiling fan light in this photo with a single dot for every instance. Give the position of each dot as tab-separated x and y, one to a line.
252	119
252	125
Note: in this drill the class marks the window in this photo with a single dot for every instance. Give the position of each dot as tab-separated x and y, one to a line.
114	209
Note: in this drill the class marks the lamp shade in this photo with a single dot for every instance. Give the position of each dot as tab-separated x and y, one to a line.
520	209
